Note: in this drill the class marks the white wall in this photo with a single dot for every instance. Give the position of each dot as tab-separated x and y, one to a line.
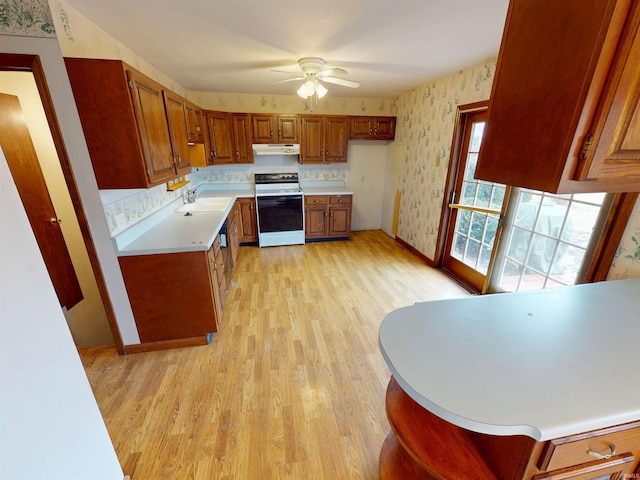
365	176
48	50
50	424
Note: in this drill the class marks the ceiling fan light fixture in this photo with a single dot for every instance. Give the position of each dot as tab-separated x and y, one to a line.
307	89
321	91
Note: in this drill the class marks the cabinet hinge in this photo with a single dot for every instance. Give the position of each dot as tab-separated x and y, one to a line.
586	146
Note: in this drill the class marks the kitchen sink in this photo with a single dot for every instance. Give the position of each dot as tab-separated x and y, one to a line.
205	204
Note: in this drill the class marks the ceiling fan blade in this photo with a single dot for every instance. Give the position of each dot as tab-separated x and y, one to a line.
341	81
295	79
333	71
286	71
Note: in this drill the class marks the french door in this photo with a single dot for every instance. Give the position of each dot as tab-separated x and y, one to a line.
476	207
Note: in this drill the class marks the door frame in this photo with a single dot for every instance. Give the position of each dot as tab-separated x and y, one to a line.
446	213
31	63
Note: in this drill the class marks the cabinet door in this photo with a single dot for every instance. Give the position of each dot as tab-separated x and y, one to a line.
615	133
554	61
263	128
384	128
242	138
312	145
288	129
150	115
316	221
248	223
335	140
195	123
360	127
220	138
177	122
339	221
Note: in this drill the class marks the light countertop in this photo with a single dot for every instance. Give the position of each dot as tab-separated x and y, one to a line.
545	364
169	231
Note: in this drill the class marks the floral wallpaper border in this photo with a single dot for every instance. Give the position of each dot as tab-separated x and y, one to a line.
30	18
128	210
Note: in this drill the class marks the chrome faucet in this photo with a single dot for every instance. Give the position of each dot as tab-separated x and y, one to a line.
190	196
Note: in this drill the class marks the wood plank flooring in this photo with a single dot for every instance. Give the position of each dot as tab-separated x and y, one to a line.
293	384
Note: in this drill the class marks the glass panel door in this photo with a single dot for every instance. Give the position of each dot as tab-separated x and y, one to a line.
476	210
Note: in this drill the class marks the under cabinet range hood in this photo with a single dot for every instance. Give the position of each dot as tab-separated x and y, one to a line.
276	149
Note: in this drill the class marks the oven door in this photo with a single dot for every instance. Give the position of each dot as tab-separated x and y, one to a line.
281	213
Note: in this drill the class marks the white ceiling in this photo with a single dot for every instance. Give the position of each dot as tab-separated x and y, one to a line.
389	46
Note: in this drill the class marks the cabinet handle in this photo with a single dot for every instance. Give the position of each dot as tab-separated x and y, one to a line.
600	456
340	201
55	221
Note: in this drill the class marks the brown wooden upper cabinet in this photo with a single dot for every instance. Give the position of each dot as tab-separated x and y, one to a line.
195	123
323	139
175	107
275	128
228	138
372	128
563	114
126	124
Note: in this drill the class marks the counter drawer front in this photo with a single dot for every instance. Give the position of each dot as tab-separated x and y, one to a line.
316	200
618	467
340	200
574	450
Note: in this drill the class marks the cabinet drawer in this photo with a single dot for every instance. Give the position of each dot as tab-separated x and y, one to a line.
574	450
340	200
618	467
316	200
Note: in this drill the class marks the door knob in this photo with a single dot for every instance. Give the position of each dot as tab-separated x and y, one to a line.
55	221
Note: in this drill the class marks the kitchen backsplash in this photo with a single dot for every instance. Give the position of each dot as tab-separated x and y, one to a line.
125	208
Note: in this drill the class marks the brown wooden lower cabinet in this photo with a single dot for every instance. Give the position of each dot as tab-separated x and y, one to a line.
175	295
421	445
247	223
327	216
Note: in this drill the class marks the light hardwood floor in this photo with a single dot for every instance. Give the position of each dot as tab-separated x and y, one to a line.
292	386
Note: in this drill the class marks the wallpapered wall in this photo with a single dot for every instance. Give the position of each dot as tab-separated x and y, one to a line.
426	120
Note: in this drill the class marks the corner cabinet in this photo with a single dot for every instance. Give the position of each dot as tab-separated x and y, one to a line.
564	111
327	216
372	128
324	139
127	125
228	138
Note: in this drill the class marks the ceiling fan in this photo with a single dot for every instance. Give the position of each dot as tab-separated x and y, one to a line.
313	74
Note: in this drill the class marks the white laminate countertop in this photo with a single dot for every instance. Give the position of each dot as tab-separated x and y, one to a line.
169	231
326	191
544	364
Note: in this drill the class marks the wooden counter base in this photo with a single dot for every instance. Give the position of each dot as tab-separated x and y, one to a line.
423	446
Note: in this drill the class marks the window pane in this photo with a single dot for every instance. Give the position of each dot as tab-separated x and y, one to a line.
531	280
463	221
497	196
491	229
518	244
476	136
527	212
470	169
459	244
483	195
468	193
477	225
471	255
583	218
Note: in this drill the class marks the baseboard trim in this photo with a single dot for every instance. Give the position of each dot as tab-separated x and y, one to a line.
416	252
167	344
